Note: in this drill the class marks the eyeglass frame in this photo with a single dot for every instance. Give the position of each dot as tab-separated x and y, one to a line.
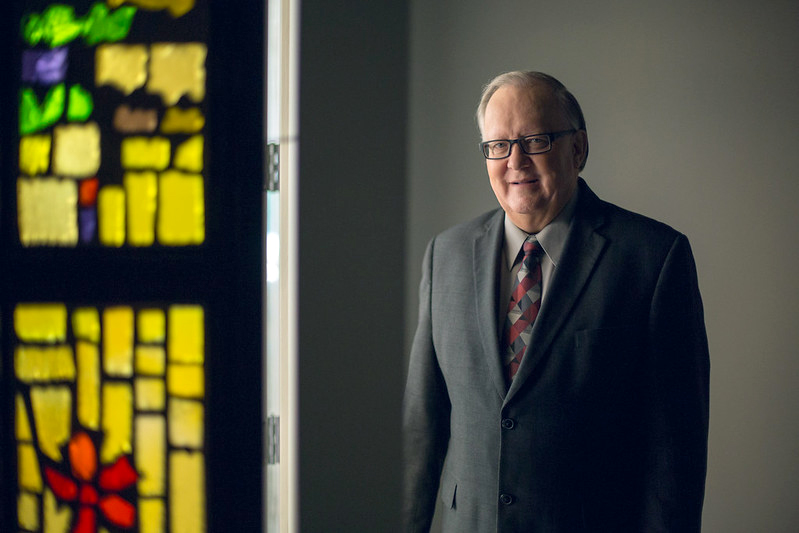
552	136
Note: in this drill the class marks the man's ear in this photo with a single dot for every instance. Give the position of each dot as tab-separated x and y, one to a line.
580	148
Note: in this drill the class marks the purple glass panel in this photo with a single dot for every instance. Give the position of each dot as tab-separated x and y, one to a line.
44	66
87	222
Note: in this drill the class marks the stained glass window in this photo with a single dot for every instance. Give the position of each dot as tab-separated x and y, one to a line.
110	409
112	108
110	417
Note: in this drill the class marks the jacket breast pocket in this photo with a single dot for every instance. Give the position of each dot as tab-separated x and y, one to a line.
608	357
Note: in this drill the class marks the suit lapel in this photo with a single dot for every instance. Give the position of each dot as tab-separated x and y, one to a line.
486	259
582	251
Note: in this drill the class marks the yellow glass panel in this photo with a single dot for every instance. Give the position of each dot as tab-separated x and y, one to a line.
111	215
150	360
187	381
189	154
176	8
28	511
86	324
186	341
123	66
151	515
117	421
88	356
187	492
42	364
22	424
151	325
57	517
151	454
76	150
150	394
34	154
52	408
30	476
146	153
41	322
177	69
181	203
141	189
48	211
186	419
177	120
118	341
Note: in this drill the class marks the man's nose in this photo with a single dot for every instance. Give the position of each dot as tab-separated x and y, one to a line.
517	158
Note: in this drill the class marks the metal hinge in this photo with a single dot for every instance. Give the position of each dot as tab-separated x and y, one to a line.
272	167
273	440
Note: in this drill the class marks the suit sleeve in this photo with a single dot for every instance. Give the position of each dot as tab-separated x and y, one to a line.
426	410
678	384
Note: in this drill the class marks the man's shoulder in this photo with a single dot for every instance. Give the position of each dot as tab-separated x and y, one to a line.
621	222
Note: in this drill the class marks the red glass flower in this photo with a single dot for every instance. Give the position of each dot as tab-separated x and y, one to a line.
91	491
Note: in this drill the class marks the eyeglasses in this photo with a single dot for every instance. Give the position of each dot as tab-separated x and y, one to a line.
530	144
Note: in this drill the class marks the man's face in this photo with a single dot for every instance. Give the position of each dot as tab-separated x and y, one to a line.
532	189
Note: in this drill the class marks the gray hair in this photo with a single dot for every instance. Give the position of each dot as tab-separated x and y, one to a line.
530	80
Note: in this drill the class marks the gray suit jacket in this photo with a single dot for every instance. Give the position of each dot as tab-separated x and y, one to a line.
604	427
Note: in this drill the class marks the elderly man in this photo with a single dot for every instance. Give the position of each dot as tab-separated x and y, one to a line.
558	380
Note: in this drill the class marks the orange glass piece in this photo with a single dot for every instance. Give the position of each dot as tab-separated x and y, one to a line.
76	150
82	456
177	69
87	192
123	66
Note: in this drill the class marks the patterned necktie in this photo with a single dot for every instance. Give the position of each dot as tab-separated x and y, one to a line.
525	301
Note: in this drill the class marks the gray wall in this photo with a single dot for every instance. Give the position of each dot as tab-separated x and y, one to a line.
353	109
693	119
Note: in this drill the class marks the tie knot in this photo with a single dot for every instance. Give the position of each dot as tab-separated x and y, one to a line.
531	247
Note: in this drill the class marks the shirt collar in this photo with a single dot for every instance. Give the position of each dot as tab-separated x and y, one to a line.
552	237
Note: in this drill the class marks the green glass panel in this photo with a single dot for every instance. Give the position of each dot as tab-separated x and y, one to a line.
81	103
35	117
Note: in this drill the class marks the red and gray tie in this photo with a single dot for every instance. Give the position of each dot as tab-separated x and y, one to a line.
525	301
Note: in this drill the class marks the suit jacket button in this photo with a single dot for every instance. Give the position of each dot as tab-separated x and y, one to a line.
508	423
505	499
